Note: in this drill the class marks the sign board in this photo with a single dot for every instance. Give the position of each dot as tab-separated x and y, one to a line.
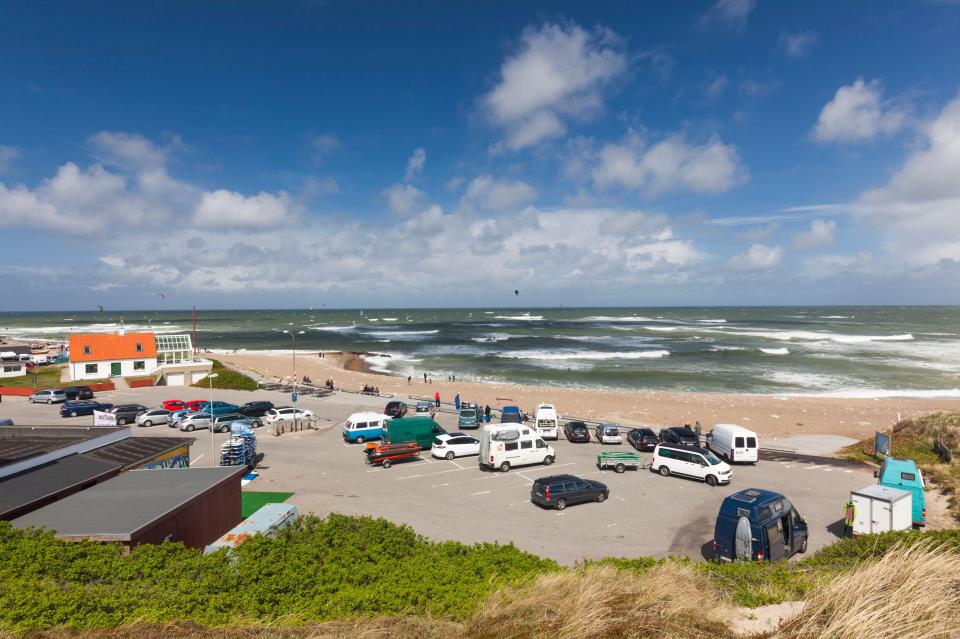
293	397
881	444
101	418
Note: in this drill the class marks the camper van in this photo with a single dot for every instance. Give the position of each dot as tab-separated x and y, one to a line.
756	524
363	427
905	475
548	422
734	443
504	446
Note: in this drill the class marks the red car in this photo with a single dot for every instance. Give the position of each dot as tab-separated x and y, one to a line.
194	404
174	404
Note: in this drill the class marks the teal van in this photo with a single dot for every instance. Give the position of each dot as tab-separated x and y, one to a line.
905	475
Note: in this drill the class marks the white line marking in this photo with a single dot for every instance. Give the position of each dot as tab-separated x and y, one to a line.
439	485
560	513
608	525
618	497
457	465
198	458
409	476
482	492
525	477
848	471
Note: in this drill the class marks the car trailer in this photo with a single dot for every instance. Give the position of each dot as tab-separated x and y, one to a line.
386	454
619	461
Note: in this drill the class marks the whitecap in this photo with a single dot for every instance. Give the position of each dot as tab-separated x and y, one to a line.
775	351
589	355
492	337
526	318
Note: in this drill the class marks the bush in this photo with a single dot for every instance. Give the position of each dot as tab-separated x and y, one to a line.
227	379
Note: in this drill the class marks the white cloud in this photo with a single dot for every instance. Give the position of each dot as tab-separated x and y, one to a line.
821	233
919	207
415	164
727	14
7	155
323	185
454	183
798	45
758	256
485	193
858	113
757	88
670	165
324	145
559	72
404	199
130	150
716	87
229	209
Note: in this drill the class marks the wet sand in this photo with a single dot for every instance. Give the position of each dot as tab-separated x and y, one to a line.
768	415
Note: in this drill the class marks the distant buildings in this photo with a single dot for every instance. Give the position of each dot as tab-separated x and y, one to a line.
168	359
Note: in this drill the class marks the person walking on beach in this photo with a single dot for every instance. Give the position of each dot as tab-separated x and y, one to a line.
456	401
486	413
849	515
409	380
424	378
436	398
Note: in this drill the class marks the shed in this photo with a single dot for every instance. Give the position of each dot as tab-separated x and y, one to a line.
194	506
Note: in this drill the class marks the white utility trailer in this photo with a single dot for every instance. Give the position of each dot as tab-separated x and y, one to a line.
881	509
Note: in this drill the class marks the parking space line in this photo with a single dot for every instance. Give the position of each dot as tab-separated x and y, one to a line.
198	458
439	472
482	492
439	485
457	465
525	477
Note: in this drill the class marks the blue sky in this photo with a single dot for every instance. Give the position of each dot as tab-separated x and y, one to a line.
360	154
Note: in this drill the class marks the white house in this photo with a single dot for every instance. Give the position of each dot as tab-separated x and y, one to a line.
12	367
169	359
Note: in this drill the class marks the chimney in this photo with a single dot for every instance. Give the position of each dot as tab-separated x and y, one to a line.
122	330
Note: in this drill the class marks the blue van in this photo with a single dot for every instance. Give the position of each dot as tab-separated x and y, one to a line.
364	427
756	524
904	474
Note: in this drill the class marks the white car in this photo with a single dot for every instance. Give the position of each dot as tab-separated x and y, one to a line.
609	434
286	414
450	445
153	416
689	461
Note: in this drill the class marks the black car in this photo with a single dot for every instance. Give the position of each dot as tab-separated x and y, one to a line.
128	413
643	439
78	392
680	435
395	409
255	409
576	432
560	491
76	408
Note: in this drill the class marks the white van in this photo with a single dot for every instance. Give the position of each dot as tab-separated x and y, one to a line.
690	461
734	443
548	422
504	446
363	427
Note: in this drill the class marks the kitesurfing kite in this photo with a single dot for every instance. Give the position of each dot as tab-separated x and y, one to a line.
515	292
163	296
100	306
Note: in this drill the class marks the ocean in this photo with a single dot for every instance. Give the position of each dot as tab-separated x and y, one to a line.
831	351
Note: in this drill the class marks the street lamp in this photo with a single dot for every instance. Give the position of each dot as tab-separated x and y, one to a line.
294	398
213	455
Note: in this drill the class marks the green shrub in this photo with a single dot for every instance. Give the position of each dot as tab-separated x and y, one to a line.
227	379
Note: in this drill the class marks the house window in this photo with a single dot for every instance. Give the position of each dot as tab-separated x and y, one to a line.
140	366
11	368
139	348
86	350
92	369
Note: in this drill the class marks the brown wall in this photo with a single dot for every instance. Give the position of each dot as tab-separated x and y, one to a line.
201	521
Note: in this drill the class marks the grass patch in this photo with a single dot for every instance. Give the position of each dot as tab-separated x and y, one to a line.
227	379
252	501
42	377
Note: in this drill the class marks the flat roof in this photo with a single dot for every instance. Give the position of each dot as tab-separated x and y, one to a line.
134	451
39	484
22	442
117	509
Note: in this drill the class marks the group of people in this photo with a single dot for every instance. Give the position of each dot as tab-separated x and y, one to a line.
370	390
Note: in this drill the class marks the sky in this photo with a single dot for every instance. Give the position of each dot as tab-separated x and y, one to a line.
379	154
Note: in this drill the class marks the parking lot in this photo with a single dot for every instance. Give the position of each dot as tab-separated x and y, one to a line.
645	515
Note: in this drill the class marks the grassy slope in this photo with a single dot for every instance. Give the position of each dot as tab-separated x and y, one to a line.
227	379
46	377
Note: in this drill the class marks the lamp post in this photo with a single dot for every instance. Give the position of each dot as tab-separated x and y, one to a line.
213	456
293	335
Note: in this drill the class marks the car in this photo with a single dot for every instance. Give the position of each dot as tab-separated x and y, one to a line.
49	396
608	434
468	418
679	435
287	413
690	461
642	438
127	413
82	407
757	525
78	392
424	407
218	408
255	409
173	404
195	404
560	491
454	445
193	421
511	415
153	416
221	423
177	415
395	408
576	432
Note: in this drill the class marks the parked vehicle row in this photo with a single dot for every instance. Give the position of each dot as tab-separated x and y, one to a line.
60	395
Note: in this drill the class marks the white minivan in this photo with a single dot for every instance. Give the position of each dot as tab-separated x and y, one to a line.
734	443
503	446
548	421
689	461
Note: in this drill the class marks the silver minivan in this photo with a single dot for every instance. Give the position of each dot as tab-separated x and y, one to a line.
50	396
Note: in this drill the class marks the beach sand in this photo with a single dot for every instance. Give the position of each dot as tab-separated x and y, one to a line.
768	415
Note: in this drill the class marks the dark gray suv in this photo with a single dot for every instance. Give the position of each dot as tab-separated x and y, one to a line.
560	491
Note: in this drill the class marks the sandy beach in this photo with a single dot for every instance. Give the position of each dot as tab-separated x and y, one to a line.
768	415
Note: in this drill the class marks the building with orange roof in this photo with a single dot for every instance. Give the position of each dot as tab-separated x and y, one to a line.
169	359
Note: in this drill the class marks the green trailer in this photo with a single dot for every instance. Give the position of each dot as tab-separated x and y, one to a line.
618	460
411	429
